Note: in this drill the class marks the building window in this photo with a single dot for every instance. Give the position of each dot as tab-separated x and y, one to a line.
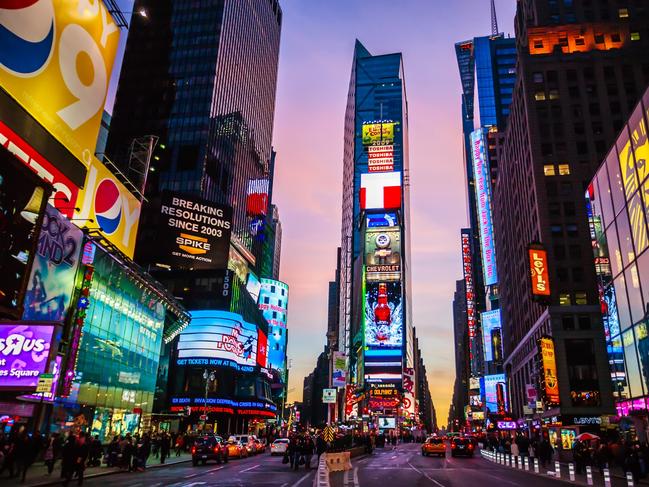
581	297
564	299
599	38
538	44
539	96
616	38
554	94
537	77
579	41
635	36
548	170
567	322
556	230
623	13
571	230
564	169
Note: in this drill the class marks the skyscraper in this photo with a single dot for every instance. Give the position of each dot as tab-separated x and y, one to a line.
375	316
581	68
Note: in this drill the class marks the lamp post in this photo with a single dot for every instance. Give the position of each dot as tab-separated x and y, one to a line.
209	377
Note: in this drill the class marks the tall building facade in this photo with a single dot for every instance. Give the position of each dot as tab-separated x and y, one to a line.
581	67
376	331
210	69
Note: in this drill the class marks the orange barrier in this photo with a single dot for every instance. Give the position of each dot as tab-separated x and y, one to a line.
338	462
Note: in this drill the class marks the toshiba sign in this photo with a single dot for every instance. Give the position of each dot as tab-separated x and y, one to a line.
539	271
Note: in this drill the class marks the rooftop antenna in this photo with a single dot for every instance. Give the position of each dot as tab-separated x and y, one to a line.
494	19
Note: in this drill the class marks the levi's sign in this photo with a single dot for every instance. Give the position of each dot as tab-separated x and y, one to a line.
539	272
195	232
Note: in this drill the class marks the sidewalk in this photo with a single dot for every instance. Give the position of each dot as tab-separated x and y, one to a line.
37	473
618	477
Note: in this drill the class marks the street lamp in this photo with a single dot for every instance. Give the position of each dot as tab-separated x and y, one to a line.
209	377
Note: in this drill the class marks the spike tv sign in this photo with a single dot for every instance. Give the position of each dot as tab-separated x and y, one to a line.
195	233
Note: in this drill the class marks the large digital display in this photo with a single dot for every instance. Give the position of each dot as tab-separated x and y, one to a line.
550	383
380	191
383	254
380	220
24	354
483	201
380	132
494	389
380	158
195	233
218	338
273	303
339	373
257	197
539	271
56	60
467	267
383	315
51	282
491	335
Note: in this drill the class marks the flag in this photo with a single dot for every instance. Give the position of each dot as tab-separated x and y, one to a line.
380	190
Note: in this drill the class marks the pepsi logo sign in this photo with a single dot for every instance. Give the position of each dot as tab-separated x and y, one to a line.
108	206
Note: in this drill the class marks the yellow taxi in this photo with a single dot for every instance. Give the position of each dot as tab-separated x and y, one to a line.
236	449
433	446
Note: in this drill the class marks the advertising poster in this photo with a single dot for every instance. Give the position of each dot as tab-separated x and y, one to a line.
491	335
339	369
40	44
194	232
218	338
495	392
409	391
378	133
383	315
257	197
549	375
539	271
383	254
380	191
51	282
24	354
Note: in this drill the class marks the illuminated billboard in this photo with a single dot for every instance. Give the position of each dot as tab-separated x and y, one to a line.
56	60
380	191
539	271
194	232
494	388
273	303
380	132
380	220
257	197
380	158
383	315
218	338
483	201
467	267
549	381
383	254
491	336
24	354
339	374
52	277
408	403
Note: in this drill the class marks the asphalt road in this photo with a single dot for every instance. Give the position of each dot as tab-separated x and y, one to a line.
259	471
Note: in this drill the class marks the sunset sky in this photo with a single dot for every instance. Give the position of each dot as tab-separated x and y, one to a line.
314	68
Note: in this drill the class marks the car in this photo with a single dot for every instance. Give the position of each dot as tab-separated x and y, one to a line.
236	449
261	446
433	446
279	446
209	447
462	446
248	442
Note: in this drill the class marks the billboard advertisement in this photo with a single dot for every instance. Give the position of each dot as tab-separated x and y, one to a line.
491	336
218	338
380	158
467	267
56	58
107	205
380	191
51	281
253	286
379	132
383	254
257	197
408	403
339	375
549	381
24	354
273	303
494	388
381	220
194	232
539	271
483	201
383	315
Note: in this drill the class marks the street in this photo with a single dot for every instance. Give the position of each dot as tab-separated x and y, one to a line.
260	471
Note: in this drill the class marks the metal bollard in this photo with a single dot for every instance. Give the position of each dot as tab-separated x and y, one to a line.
629	479
536	465
519	462
526	462
510	461
571	471
589	475
557	470
607	478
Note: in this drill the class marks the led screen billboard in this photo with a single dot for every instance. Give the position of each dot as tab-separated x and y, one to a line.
253	286
467	266
380	191
483	201
491	336
383	254
380	220
194	232
539	271
218	338
257	197
549	381
380	132
273	303
494	388
51	281
56	60
24	354
380	158
339	375
383	315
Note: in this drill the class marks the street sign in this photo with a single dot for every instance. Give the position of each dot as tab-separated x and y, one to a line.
329	396
45	383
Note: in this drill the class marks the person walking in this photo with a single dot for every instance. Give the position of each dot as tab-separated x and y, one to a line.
165	446
81	452
67	458
52	451
307	450
320	446
514	448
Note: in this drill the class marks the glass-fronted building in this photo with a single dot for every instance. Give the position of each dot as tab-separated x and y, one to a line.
618	207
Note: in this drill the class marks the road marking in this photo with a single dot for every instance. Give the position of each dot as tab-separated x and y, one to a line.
249	469
194	483
426	475
302	479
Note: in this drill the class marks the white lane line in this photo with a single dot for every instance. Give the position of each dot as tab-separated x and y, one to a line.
426	475
302	479
249	469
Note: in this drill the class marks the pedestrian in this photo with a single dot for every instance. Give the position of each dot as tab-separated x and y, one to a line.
52	451
165	446
179	445
81	452
9	454
514	448
308	448
320	446
67	458
28	451
291	450
96	452
579	455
